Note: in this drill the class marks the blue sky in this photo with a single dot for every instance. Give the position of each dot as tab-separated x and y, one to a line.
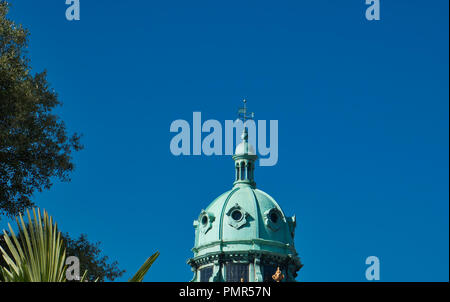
363	125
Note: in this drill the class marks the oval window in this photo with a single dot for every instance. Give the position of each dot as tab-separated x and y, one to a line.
274	217
204	220
236	215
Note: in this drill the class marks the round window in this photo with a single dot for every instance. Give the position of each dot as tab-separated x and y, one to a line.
274	217
204	220
236	215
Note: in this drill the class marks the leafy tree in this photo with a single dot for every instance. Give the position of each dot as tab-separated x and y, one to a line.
97	266
34	144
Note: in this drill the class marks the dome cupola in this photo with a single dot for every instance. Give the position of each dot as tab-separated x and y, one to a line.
244	158
244	235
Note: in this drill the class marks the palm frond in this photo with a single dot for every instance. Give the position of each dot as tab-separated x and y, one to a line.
39	255
140	274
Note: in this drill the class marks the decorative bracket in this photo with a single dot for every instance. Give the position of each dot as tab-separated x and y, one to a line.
292	221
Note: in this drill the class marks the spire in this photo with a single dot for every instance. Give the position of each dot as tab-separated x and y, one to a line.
244	156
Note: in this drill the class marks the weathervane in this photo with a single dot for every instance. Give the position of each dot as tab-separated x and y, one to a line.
242	113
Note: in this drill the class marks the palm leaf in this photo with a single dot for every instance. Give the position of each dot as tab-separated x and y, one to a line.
39	256
140	274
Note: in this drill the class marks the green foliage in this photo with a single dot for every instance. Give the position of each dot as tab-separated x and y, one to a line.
34	144
38	253
140	274
97	266
39	257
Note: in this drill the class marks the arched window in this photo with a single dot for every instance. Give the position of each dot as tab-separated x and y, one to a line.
206	273
236	272
268	271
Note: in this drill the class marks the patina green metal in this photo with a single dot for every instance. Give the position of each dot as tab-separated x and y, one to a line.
246	226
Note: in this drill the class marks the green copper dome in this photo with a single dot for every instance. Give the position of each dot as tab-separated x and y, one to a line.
244	235
244	218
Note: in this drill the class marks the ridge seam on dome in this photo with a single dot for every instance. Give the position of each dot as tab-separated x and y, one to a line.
222	213
257	211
